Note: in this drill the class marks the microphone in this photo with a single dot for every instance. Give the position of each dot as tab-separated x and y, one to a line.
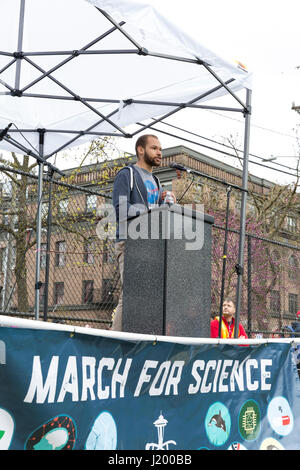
5	131
177	166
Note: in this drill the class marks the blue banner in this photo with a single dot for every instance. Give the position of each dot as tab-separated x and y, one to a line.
64	391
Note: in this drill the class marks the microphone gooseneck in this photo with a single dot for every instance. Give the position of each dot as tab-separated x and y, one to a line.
177	166
5	131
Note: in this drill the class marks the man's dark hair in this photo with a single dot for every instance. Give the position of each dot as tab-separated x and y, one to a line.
142	141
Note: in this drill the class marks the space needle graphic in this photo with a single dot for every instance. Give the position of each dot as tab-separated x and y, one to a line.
160	424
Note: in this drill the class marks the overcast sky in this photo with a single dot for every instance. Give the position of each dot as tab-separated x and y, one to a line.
264	36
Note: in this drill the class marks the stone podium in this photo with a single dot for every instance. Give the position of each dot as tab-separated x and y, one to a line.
167	273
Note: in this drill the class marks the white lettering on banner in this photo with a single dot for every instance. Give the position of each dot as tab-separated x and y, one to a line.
43	392
228	375
2	352
168	376
88	381
36	385
87	378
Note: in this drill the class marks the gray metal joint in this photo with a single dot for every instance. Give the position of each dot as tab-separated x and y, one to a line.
143	51
16	92
239	269
247	110
18	55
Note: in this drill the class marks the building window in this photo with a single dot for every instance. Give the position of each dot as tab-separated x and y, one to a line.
275	218
42	293
108	251
238	204
293	268
251	208
275	302
107	289
291	224
2	259
58	293
43	254
89	250
13	257
44	209
60	249
293	304
87	292
91	202
63	206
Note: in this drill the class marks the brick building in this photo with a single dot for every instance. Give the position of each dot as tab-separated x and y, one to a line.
83	277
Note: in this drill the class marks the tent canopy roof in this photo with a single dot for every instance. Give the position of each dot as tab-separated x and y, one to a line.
82	68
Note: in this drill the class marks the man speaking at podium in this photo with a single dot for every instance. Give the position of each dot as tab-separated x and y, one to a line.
137	187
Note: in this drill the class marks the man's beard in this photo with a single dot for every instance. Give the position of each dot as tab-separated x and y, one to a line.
150	161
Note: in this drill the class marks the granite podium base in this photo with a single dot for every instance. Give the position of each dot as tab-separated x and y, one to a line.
167	273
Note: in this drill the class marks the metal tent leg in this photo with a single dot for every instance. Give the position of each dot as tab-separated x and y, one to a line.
39	226
240	265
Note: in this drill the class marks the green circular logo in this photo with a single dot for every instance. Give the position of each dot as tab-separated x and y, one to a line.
249	420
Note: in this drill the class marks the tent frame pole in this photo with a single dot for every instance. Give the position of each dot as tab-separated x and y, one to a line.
20	43
38	283
240	266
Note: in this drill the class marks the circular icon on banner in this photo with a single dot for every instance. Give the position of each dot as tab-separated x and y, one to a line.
7	426
280	416
249	420
103	435
271	444
236	446
58	433
217	424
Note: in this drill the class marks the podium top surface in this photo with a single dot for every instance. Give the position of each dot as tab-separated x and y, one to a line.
185	211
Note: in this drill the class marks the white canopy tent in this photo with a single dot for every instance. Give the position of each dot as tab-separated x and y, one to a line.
72	70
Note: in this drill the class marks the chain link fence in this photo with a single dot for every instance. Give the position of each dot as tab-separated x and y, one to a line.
271	281
79	277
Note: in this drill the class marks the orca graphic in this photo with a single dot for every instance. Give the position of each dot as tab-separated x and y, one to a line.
218	421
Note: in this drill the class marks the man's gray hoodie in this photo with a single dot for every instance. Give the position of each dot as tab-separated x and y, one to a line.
130	195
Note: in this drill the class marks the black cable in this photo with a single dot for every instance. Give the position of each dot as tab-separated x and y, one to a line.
217	150
193	179
224	145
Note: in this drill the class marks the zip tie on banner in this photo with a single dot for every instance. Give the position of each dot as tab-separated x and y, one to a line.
72	334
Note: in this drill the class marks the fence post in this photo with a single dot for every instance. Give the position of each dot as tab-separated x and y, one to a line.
249	284
49	225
